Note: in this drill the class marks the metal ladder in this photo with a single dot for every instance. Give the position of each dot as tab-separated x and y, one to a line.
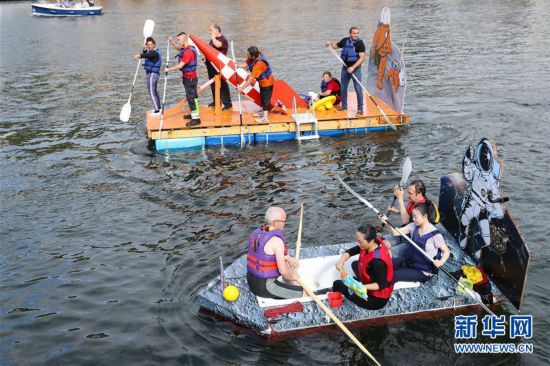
307	118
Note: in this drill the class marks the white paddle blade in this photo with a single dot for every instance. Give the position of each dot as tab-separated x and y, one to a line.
125	112
407	169
148	28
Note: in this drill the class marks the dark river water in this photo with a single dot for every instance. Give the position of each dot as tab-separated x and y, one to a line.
104	244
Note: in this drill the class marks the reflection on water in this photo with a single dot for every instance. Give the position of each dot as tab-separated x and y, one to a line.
105	243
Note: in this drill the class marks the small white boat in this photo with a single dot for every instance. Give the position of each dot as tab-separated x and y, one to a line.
67	8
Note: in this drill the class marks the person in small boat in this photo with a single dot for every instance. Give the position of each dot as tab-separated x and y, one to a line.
413	265
152	65
353	55
187	58
416	190
329	87
374	269
267	260
381	45
260	70
219	42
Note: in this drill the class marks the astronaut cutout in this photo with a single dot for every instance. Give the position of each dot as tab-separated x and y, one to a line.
483	200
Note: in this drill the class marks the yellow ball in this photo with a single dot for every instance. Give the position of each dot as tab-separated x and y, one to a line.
231	293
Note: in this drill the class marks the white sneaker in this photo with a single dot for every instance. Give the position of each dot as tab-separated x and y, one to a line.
258	114
262	119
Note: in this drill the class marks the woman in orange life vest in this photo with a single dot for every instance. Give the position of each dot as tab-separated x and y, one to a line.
267	260
374	269
414	266
381	44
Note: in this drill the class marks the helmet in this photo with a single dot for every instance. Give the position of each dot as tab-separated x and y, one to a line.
484	156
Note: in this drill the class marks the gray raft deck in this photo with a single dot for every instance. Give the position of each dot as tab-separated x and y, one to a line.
436	295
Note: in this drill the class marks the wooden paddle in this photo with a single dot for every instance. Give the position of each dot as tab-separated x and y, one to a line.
320	303
299	240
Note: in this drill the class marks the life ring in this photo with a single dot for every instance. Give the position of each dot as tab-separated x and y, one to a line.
325	103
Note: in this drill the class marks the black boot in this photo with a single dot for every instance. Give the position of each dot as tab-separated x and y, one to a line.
193	122
187	116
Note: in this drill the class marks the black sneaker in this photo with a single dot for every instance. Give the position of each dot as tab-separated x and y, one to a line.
187	116
212	104
225	107
193	122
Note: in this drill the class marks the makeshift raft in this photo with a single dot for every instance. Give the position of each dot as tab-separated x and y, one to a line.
290	118
318	270
224	129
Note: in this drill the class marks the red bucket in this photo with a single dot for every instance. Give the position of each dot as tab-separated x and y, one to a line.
335	299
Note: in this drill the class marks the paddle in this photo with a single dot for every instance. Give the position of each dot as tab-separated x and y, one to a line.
390	123
320	303
238	94
299	240
407	168
369	205
164	92
127	108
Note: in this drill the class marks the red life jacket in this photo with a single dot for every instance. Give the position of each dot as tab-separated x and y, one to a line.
410	207
365	258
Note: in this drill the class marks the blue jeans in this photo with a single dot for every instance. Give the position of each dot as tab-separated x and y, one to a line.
344	80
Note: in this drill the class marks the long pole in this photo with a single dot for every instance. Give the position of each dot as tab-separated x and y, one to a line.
320	303
390	123
369	205
165	82
299	240
238	94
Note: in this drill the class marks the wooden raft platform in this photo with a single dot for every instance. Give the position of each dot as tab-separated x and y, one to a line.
224	127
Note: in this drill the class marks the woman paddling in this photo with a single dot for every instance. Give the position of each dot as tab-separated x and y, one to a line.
374	269
152	65
414	266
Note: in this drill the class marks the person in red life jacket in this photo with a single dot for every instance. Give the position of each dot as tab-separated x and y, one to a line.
414	266
267	260
374	269
260	71
381	45
353	55
330	86
219	42
416	191
187	58
152	65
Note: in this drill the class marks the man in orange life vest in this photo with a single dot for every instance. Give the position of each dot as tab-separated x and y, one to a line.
267	259
261	71
188	57
374	269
